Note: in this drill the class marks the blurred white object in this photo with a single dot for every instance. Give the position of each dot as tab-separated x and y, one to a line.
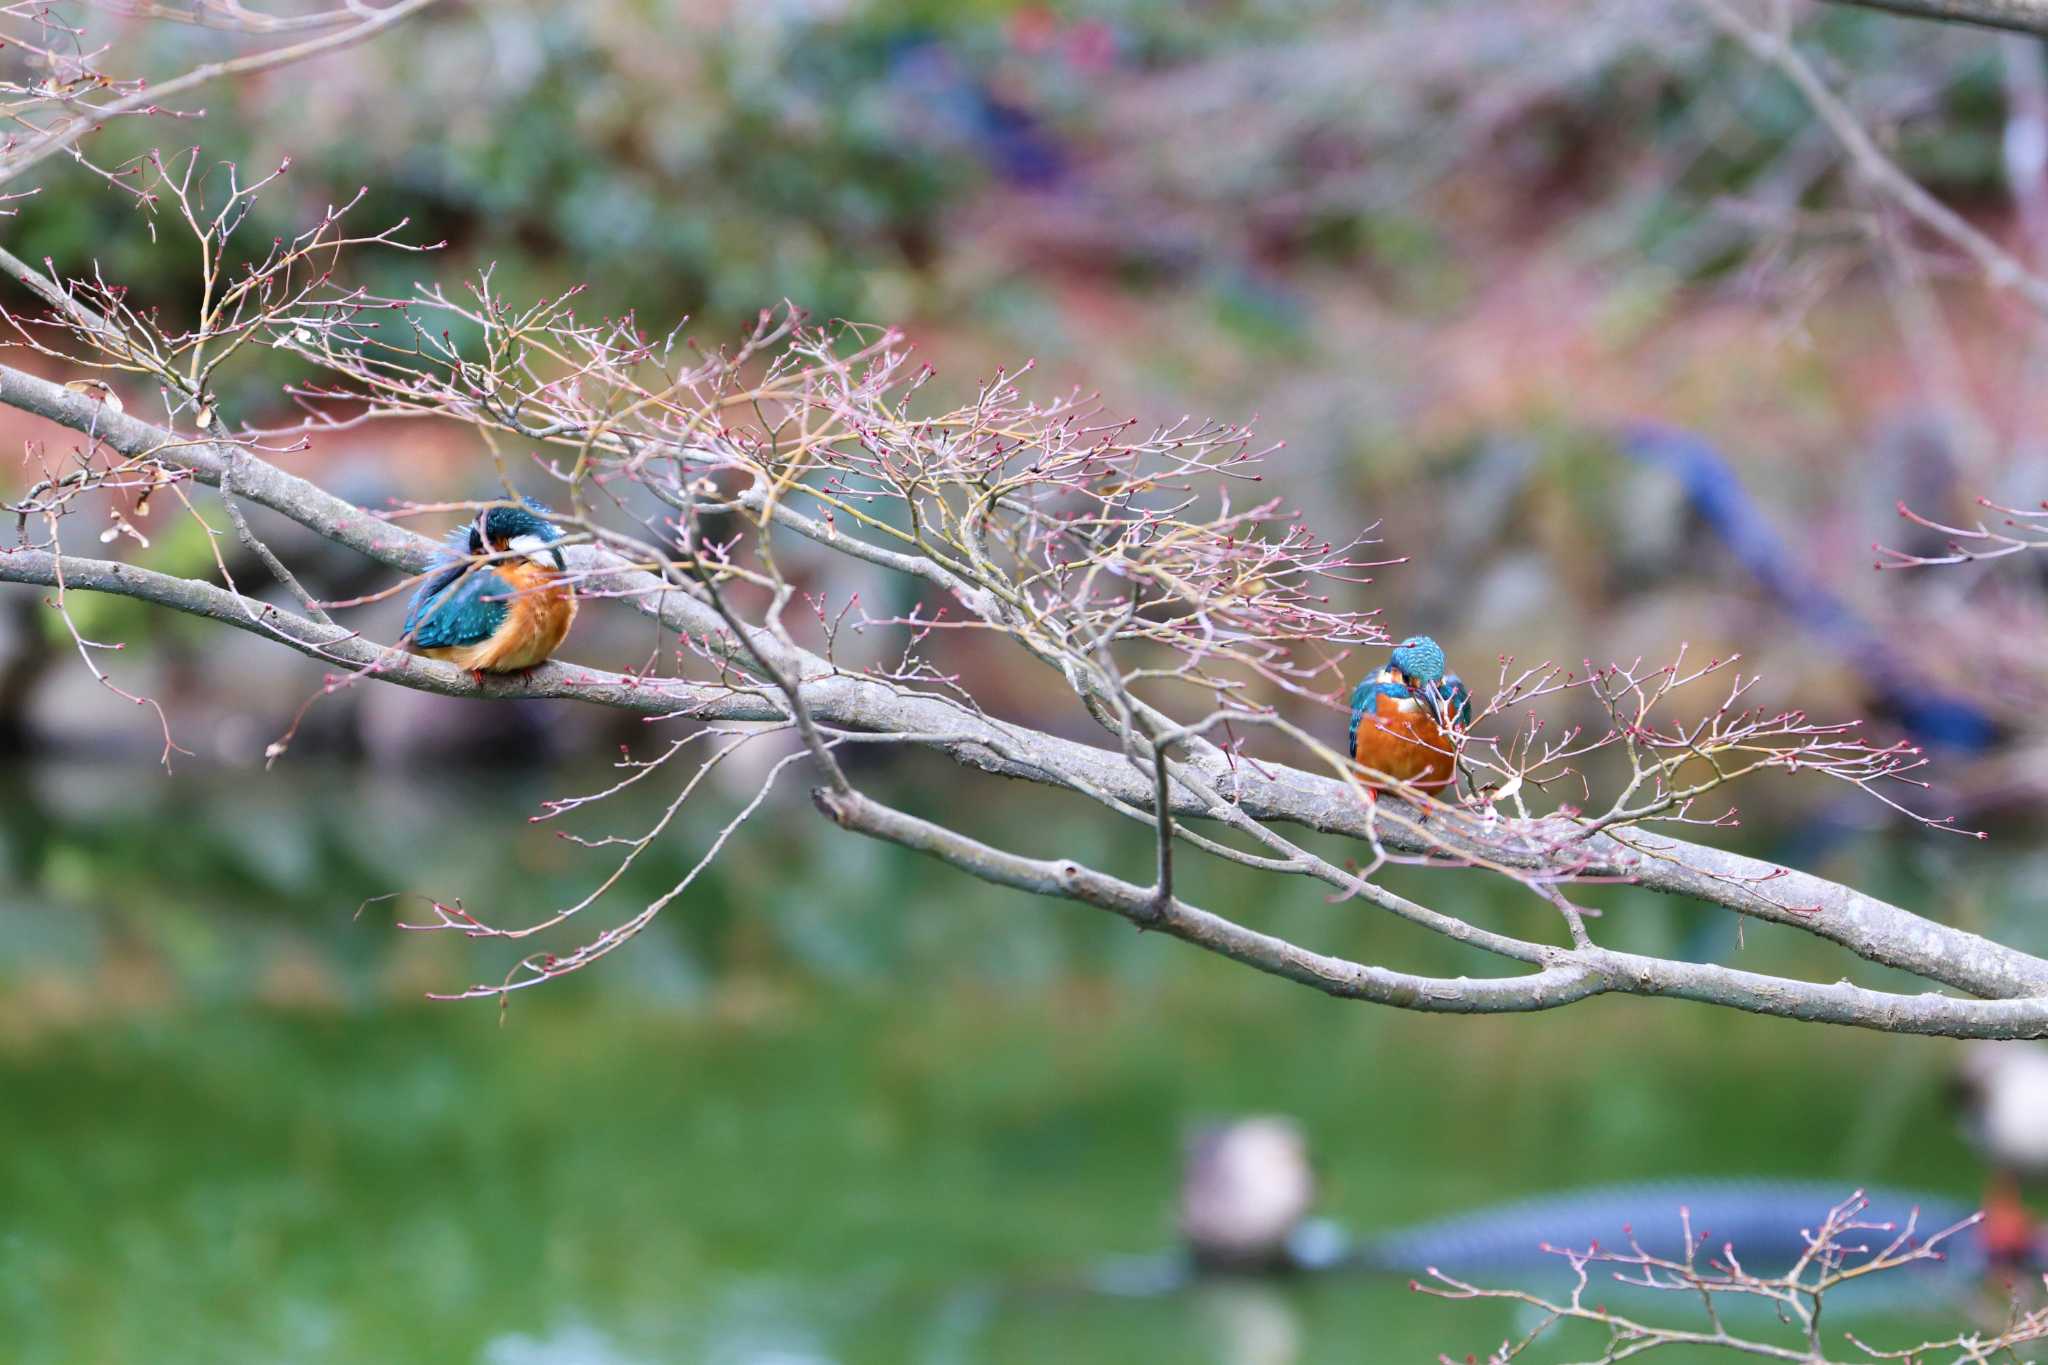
1245	1187
2005	1104
1251	1323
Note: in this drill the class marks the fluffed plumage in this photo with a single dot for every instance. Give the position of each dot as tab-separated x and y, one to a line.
1404	716
1395	733
497	617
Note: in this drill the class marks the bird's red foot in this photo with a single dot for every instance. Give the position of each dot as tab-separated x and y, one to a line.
476	676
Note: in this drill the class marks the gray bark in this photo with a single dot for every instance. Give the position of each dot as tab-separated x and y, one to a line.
1865	925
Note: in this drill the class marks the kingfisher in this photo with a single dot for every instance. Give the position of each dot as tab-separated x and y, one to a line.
1403	717
502	616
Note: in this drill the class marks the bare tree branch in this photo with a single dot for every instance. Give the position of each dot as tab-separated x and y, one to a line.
1573	974
2017	16
1132	568
842	701
85	117
1849	1244
2002	269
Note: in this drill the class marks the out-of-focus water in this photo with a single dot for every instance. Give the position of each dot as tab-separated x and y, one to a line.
836	1106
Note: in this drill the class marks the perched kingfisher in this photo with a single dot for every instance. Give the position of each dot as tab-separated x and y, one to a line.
1402	717
499	617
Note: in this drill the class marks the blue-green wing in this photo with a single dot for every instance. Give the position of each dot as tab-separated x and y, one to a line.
458	606
1365	697
1457	699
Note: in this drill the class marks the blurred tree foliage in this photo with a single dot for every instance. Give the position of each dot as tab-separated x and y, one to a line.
711	159
1308	209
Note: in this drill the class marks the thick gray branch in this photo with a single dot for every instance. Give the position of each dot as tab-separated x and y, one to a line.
351	652
1568	975
1143	906
1871	928
1563	977
2018	16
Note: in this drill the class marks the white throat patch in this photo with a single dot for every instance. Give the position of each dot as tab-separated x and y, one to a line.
534	548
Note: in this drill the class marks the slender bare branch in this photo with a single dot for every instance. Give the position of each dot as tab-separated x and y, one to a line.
2016	16
843	700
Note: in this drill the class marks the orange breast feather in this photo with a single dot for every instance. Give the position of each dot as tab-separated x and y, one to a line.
1404	743
536	619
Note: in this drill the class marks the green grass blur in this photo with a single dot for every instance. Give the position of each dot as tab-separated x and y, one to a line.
882	1115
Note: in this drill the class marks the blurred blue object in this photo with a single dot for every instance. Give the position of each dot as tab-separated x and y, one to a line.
1763	1220
1716	493
1010	139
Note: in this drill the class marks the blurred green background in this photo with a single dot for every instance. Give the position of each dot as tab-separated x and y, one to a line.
838	1105
844	1106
